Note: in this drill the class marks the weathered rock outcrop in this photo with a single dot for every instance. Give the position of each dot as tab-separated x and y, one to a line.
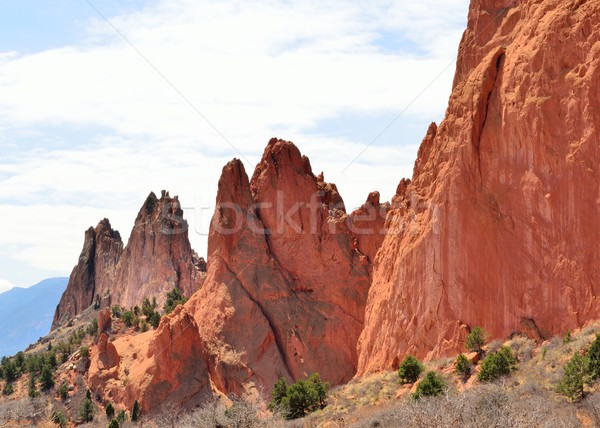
158	255
152	367
282	259
367	223
500	226
104	320
102	248
157	258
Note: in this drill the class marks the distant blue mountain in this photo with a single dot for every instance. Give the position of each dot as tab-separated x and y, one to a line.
26	314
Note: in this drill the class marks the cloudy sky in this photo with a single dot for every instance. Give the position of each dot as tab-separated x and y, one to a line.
103	101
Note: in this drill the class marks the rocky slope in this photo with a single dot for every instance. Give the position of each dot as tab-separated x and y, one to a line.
284	295
157	258
500	226
152	367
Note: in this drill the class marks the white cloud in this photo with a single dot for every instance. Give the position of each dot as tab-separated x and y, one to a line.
247	67
90	128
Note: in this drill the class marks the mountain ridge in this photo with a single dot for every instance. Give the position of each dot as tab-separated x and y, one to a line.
26	313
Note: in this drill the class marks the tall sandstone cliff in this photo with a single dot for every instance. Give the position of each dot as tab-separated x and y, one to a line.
284	295
500	226
157	258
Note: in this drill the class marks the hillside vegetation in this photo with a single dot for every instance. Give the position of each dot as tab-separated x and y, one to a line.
532	393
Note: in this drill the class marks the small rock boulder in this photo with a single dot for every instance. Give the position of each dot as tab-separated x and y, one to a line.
104	321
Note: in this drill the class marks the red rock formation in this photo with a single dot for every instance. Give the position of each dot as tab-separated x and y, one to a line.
152	367
102	248
500	225
157	258
285	290
283	260
367	223
104	320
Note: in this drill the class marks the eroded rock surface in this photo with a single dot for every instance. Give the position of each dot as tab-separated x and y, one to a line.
500	226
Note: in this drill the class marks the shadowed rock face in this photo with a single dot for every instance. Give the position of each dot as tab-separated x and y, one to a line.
157	258
500	226
93	274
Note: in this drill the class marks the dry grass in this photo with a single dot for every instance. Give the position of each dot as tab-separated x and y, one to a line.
494	405
525	399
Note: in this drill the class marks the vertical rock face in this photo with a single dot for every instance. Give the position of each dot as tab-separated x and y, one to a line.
158	255
94	272
282	259
157	258
500	226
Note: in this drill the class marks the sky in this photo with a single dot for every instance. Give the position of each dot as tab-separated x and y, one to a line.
103	101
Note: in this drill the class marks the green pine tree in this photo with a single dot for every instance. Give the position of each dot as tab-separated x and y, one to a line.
174	298
110	411
299	399
135	412
410	369
33	392
46	378
279	393
574	377
462	366
433	384
476	339
86	411
594	359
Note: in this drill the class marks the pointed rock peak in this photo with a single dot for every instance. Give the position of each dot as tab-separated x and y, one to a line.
330	196
102	248
403	187
321	177
401	197
432	129
90	232
154	207
200	263
307	166
234	185
425	150
104	228
104	224
373	198
280	156
234	169
149	204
